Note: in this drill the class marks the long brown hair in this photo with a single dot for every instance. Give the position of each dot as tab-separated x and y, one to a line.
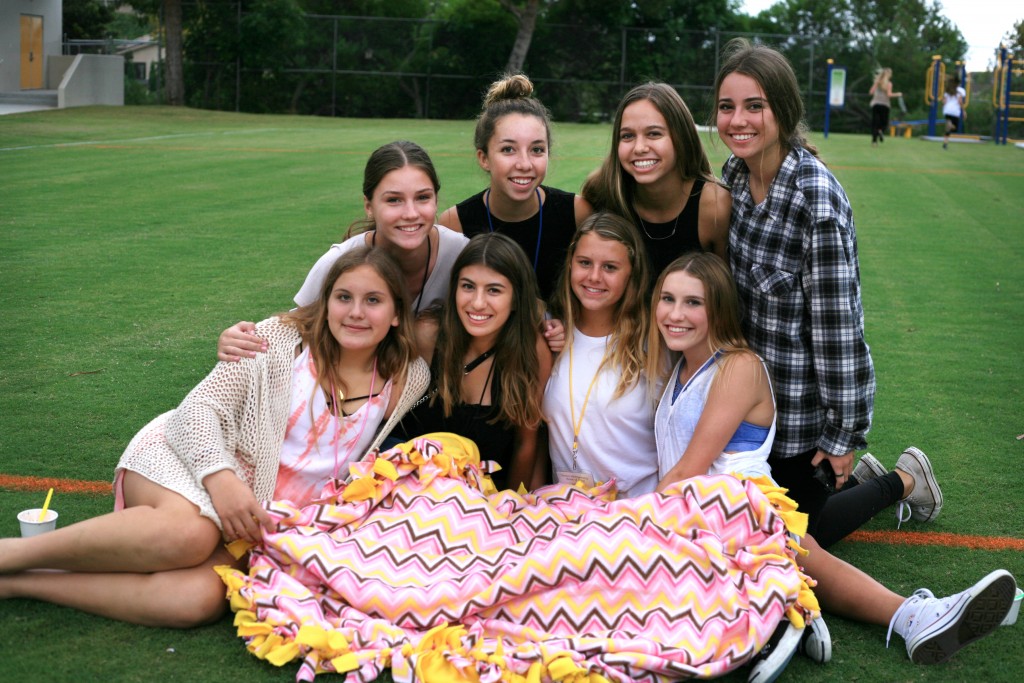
394	353
773	72
515	349
721	302
611	188
627	343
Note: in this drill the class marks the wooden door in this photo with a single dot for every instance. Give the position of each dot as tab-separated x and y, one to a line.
31	52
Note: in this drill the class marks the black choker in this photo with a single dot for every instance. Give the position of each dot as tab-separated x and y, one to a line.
473	364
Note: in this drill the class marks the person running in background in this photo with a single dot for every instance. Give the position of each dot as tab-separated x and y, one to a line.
881	94
658	175
953	107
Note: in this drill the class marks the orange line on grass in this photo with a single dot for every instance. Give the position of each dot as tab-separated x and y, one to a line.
937	538
17	483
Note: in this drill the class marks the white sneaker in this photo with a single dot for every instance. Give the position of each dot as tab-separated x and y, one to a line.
925	501
816	642
936	628
868	468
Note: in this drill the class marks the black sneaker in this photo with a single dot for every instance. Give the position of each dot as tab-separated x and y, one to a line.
771	661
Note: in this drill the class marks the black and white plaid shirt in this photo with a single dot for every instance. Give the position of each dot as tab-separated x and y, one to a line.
794	258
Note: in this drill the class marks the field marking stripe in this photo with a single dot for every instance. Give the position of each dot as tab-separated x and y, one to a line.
21	483
938	538
146	139
18	483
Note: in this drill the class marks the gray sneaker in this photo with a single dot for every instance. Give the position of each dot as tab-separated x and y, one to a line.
925	501
868	468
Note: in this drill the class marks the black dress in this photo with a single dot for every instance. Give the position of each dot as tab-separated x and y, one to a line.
496	440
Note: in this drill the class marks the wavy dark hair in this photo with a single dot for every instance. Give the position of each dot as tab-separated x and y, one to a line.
516	346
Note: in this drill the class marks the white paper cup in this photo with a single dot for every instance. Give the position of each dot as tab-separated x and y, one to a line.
30	524
1011	616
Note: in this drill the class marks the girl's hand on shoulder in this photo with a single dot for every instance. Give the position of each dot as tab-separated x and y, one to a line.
240	341
554	334
241	515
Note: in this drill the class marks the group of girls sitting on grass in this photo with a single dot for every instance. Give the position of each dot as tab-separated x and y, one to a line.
548	346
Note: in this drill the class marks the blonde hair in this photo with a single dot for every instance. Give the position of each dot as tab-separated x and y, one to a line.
627	342
721	303
882	77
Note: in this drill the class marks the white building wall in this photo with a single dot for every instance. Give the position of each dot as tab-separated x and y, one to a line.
10	37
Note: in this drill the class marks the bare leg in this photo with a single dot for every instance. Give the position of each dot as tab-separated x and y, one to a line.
158	531
181	598
847	591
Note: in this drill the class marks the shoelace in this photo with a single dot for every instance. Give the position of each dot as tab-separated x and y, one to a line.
916	597
901	508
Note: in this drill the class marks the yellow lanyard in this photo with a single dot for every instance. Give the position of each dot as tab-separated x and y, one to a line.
583	409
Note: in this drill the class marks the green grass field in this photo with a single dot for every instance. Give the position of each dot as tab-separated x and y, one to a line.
130	237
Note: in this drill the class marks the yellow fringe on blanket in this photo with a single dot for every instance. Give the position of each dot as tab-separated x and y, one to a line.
796	524
437	653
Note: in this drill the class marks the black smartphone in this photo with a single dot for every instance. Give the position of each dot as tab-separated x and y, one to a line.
825	475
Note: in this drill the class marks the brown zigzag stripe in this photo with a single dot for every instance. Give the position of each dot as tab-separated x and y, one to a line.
595	570
546	525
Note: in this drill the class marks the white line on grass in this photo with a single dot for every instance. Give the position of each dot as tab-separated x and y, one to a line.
147	139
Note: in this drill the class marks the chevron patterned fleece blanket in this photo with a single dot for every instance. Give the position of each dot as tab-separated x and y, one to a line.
418	565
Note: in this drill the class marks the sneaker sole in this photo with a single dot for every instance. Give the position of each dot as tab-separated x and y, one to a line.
771	667
987	606
929	479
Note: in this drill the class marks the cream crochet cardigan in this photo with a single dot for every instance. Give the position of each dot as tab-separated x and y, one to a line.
235	419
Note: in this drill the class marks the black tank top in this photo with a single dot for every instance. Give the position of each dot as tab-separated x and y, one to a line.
662	249
558	229
496	441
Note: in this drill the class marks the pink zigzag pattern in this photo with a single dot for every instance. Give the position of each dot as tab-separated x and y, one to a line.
656	588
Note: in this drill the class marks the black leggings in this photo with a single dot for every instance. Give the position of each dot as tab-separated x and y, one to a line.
832	517
879	122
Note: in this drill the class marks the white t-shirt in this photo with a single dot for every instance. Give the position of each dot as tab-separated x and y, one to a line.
951	103
616	438
450	244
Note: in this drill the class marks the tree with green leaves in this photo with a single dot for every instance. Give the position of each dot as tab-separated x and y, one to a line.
86	19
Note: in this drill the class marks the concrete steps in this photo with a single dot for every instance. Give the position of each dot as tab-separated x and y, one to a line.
43	98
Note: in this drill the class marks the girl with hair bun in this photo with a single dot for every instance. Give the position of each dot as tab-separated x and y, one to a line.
513	140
